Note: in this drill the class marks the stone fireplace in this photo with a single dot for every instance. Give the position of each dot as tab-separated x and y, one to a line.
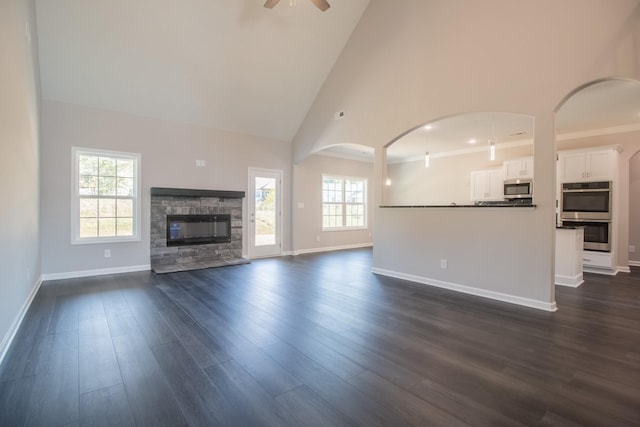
194	229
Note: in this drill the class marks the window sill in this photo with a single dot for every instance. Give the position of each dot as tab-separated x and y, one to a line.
345	229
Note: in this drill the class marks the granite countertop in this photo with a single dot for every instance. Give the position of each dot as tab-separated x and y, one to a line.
569	227
493	205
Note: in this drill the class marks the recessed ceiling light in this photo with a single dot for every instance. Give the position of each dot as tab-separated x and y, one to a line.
428	127
472	141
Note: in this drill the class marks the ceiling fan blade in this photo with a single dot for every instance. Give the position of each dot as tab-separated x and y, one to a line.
321	4
270	3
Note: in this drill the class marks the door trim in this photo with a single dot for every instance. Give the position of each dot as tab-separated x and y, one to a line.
251	248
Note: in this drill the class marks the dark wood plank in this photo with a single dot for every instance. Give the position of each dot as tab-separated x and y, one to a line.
65	314
339	393
97	362
202	403
150	397
106	407
414	410
198	344
317	339
249	402
309	409
55	396
14	401
27	350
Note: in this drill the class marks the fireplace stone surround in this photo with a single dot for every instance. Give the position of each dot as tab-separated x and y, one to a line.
180	201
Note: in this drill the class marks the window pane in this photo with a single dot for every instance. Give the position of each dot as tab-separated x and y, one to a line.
355	216
88	227
87	165
88	185
107	209
106	196
107	186
125	168
331	215
107	227
354	191
124	208
125	226
125	187
88	208
107	166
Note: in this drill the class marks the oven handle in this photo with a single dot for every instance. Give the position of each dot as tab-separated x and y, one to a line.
585	220
594	190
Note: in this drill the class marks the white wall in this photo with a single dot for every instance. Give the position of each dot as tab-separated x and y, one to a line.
307	189
634	208
414	61
19	152
169	151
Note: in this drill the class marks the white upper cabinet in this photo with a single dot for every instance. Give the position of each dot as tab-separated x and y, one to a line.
487	185
518	169
586	165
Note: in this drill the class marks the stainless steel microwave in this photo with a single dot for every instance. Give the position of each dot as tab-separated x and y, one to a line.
518	189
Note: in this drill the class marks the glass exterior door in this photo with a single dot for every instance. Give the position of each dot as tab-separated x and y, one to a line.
265	213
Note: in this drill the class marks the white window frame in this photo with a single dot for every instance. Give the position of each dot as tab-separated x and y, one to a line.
76	152
344	203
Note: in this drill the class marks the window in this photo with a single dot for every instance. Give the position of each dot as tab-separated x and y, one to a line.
344	203
105	205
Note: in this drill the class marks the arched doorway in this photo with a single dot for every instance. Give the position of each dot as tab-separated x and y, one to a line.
599	116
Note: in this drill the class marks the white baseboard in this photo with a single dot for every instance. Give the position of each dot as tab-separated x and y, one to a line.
634	263
513	299
605	271
13	330
570	281
331	248
623	269
99	272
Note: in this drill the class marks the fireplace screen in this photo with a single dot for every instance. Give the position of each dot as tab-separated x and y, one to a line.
185	230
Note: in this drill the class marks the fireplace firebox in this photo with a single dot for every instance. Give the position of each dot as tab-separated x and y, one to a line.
184	230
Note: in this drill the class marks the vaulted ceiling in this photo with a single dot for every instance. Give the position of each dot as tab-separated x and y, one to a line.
228	64
236	66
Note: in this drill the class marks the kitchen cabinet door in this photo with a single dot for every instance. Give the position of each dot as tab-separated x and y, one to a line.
572	167
582	166
599	165
487	185
518	169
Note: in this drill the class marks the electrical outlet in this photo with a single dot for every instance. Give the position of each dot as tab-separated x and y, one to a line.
107	253
443	263
632	249
318	238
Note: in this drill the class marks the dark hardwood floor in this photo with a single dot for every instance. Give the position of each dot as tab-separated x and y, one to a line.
318	340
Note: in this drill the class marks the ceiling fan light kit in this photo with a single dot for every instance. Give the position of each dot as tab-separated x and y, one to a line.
320	4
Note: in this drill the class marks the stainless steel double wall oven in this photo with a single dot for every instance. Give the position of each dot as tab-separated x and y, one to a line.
588	204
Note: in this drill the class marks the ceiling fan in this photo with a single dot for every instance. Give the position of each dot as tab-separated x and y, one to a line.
320	4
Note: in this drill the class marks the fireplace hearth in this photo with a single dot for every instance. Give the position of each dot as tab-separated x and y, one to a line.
194	229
